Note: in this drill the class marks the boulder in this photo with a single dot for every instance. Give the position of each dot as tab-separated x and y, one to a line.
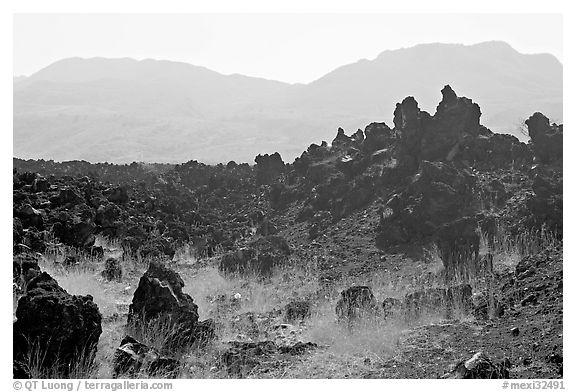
241	261
297	310
480	366
118	195
259	257
62	328
441	301
159	298
242	357
67	196
74	230
107	215
134	359
112	270
30	217
356	302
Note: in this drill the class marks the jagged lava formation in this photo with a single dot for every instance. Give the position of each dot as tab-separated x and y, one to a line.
440	180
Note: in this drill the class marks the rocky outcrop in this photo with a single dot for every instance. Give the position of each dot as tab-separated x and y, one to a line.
437	194
492	151
438	137
546	204
62	329
546	138
154	209
268	167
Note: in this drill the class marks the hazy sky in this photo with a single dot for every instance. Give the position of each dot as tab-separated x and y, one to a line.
287	47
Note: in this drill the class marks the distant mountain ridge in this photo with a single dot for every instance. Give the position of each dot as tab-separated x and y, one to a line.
122	110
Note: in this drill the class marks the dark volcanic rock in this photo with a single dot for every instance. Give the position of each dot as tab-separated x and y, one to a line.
456	119
63	328
25	267
268	167
391	306
297	310
242	357
30	217
159	297
546	205
74	229
259	257
356	302
378	136
492	151
241	261
119	195
459	246
438	137
112	270
443	301
437	194
480	366
546	138
133	358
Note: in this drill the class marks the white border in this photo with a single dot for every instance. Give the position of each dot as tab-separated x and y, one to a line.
294	6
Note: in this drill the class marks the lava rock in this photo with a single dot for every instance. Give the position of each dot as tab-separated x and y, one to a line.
480	367
63	328
112	270
133	358
459	245
159	297
268	167
546	138
356	302
297	310
440	300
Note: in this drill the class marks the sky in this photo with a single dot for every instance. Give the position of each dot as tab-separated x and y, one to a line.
293	48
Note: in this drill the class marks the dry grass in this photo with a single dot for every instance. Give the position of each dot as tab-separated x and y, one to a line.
81	366
508	249
343	351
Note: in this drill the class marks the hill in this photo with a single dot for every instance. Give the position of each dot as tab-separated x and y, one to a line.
124	110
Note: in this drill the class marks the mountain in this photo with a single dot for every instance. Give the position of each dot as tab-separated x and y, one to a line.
121	110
